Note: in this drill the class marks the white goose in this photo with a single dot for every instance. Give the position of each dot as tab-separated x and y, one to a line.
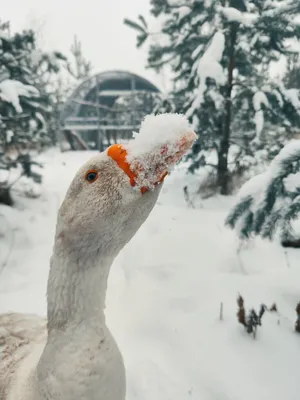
73	356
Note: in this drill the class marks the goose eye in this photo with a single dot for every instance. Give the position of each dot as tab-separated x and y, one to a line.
91	176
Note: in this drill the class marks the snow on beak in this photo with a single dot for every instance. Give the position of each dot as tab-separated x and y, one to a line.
148	169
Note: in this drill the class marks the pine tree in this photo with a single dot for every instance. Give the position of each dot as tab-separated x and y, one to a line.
292	76
220	54
25	101
270	202
80	68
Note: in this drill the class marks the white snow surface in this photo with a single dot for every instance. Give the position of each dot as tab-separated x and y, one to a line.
209	66
164	299
259	99
11	90
278	96
232	14
183	11
292	182
256	186
36	56
290	150
41	118
293	95
259	183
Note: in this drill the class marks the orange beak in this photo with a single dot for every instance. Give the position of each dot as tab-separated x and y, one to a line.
148	170
118	153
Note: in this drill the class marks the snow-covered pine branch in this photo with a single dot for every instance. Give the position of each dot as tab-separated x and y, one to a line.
270	202
208	66
232	14
259	99
11	90
27	103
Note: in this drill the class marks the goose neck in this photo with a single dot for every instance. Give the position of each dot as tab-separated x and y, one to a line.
76	288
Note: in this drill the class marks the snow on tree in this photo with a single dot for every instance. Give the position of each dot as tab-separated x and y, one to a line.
292	76
270	202
220	55
259	100
27	72
26	86
11	90
209	67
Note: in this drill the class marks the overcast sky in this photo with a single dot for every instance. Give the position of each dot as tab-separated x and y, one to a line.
106	41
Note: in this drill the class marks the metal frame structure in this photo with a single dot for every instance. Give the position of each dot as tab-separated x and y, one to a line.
108	106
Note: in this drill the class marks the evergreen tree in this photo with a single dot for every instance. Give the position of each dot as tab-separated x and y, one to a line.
25	101
220	54
292	76
270	202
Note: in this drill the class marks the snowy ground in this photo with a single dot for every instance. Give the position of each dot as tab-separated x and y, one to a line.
165	291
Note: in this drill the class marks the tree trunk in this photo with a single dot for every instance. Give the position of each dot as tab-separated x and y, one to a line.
222	169
223	173
5	197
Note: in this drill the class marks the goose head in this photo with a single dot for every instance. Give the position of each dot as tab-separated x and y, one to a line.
102	210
